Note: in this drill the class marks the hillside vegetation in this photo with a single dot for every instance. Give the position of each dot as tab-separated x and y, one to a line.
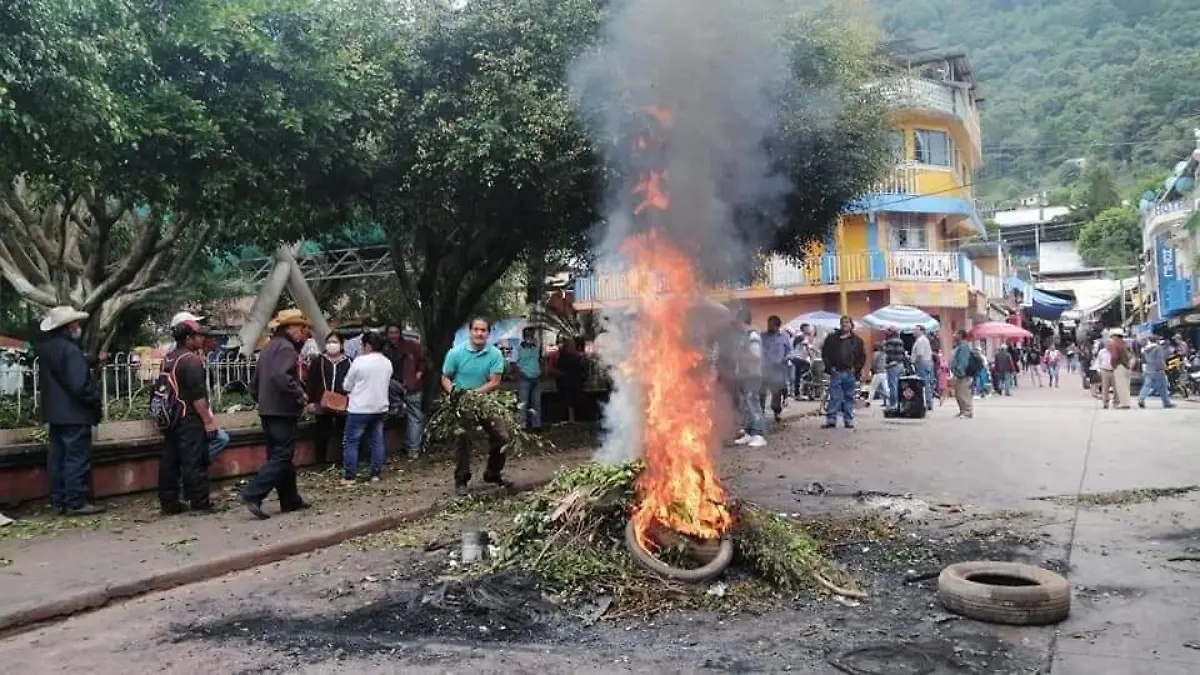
1113	80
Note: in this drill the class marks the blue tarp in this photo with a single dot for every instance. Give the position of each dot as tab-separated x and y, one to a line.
1039	304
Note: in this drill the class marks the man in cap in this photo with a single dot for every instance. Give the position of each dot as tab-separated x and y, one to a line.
186	448
71	405
277	389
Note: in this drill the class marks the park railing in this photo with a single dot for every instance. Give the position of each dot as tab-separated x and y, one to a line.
125	380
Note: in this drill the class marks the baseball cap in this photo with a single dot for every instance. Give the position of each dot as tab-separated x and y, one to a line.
185	316
187	329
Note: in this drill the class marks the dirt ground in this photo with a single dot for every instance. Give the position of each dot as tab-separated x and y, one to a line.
1048	480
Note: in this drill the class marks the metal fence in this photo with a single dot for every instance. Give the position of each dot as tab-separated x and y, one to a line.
126	380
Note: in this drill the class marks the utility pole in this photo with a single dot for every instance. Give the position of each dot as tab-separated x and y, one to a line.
839	260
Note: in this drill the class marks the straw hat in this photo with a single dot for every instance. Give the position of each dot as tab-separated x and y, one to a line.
61	316
290	317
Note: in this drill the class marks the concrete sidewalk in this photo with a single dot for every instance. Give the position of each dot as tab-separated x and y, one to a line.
52	567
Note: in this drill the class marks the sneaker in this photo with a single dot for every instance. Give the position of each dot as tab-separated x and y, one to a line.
756	442
829	425
1141	404
255	509
1168	407
743	439
375	478
86	510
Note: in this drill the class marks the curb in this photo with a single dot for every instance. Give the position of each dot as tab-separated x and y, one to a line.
29	616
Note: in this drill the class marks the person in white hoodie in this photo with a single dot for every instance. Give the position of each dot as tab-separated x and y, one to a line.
367	384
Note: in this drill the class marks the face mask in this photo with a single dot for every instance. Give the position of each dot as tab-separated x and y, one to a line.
333	348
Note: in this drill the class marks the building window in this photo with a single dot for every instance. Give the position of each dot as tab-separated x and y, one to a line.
896	143
907	232
933	147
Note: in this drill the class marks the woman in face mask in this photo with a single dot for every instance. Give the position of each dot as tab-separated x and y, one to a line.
327	397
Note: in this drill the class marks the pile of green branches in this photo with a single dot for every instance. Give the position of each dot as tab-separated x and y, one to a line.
571	534
461	412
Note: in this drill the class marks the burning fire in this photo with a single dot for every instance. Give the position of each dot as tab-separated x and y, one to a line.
679	488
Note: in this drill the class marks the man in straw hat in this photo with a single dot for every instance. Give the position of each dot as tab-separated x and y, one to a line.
71	405
277	389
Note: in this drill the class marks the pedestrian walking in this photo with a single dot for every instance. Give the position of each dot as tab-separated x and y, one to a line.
185	453
776	345
844	355
327	399
529	366
475	369
368	383
1005	371
1122	362
750	383
964	366
922	356
1154	375
276	388
879	378
1033	364
71	405
1053	360
944	378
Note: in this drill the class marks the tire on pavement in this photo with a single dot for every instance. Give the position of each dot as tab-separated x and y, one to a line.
1004	592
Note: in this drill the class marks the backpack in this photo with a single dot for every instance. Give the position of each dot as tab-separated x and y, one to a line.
167	410
975	364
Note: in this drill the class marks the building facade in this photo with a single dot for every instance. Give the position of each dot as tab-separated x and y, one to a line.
1170	245
901	243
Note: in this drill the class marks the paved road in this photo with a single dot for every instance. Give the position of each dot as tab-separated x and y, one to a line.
1135	613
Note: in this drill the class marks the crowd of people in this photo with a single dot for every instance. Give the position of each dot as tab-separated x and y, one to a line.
350	389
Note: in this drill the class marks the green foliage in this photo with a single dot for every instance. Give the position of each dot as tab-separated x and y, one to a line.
1095	192
1064	79
1113	238
461	412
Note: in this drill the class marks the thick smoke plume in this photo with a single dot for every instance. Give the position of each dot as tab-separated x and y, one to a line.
717	67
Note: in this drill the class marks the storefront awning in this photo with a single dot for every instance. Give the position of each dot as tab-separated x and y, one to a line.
1038	303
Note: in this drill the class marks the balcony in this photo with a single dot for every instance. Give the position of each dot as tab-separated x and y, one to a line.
780	276
945	99
1164	215
912	179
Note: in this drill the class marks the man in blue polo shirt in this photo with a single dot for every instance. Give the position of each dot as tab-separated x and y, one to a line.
476	367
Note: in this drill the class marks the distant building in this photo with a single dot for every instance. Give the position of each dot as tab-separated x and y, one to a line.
1170	243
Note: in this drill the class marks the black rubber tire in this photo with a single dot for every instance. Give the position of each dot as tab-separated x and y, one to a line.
1045	600
698	575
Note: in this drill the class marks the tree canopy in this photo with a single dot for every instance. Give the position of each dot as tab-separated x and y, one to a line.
1112	239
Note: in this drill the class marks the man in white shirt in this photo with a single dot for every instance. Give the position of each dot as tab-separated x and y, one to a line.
367	385
922	356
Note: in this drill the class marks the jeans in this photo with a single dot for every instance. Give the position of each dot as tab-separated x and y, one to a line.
184	456
278	473
879	383
1156	382
1053	370
800	368
328	429
69	463
1006	383
217	444
925	370
893	377
842	386
750	406
363	429
413	422
529	393
774	383
497	439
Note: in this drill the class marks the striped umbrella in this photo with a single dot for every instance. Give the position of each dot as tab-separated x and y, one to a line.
900	317
820	319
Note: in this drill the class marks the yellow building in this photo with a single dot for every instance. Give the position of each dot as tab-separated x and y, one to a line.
898	244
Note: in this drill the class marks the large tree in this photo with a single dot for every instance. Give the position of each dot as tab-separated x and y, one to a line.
1112	239
136	133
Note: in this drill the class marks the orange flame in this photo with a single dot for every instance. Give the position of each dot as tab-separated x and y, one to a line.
679	488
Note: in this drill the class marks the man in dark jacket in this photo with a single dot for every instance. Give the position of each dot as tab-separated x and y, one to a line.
281	398
844	355
71	405
408	369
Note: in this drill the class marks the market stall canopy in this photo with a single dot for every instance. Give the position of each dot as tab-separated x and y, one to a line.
820	319
900	317
1091	295
1040	304
1001	330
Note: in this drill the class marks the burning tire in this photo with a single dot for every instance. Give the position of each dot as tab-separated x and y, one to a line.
1003	592
719	560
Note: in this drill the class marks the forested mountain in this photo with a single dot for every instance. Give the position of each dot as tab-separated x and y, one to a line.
1114	80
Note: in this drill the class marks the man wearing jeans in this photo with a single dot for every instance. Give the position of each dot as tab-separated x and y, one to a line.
529	365
893	348
367	384
749	384
922	356
408	369
1154	373
844	355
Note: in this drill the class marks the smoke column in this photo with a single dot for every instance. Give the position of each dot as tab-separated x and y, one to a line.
718	68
